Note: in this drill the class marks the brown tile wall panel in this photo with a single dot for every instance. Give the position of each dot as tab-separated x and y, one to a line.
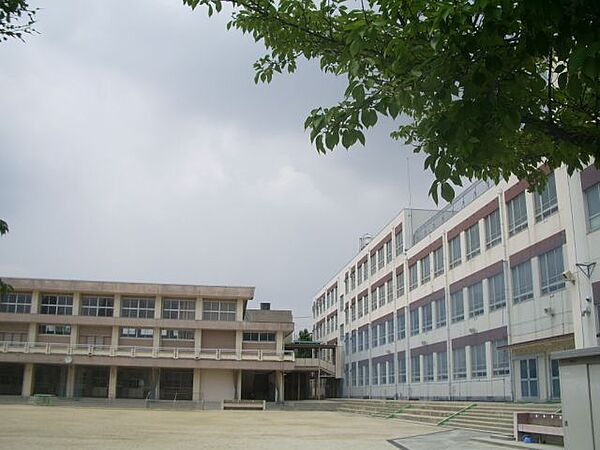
381	243
382	281
95	331
400	269
596	290
427	299
332	341
473	219
175	343
476	277
589	177
364	362
401	355
543	246
430	348
218	339
53	339
398	228
364	327
478	338
426	251
332	287
363	260
257	345
363	293
515	190
383	358
14	327
135	342
382	319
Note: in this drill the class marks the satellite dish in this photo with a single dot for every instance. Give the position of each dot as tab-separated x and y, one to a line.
68	359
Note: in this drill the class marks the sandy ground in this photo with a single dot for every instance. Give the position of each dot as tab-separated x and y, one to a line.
39	427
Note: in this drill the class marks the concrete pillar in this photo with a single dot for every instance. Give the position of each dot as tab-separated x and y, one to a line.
198	339
112	383
158	307
114	340
239	310
27	388
199	307
279	397
196	386
468	360
76	303
35	302
117	306
156	338
32	332
238	388
238	342
70	381
279	341
489	360
74	336
156	379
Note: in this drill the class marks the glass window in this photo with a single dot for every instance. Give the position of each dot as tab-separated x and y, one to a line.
442	366
58	330
373	263
353	341
390	366
458	306
400	284
475	299
353	279
382	373
361	380
496	291
546	202
401	324
97	306
478	361
375	373
399	243
359	274
438	262
374	336
459	363
415	369
382	333
425	269
389	289
592	200
413	277
390	330
529	378
380	258
427	317
374	299
555	379
57	304
517	214
381	295
428	374
388	252
219	310
455	252
141	308
414	322
500	356
188	335
15	302
522	282
551	270
473	241
401	368
493	233
366	272
440	312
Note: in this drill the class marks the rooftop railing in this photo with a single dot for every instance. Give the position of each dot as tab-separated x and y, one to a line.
215	354
465	198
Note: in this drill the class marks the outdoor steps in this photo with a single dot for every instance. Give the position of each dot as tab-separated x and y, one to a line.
417	418
468	425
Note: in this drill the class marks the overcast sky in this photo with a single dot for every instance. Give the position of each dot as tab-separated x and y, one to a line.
135	146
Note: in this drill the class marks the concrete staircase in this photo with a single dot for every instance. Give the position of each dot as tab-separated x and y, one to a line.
430	412
495	418
373	408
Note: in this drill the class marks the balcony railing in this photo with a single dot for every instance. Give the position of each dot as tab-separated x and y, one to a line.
215	354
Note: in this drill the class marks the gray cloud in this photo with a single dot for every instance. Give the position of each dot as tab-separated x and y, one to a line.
134	145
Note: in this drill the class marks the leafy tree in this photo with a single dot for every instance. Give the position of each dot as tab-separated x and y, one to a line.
304	336
485	88
16	19
4	288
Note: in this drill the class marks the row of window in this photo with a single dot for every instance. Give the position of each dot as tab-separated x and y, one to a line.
174	334
103	306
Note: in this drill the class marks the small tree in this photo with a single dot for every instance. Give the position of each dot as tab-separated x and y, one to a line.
304	336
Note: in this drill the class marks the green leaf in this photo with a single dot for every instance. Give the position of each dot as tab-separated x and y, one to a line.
447	192
368	117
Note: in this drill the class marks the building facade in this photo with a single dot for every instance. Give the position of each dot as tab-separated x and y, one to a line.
469	301
140	341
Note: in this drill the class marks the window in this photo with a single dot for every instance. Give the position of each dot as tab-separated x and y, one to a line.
438	261
473	242
365	304
551	269
388	251
391	375
353	279
382	373
359	274
373	299
373	264
217	310
361	375
353	310
353	341
442	366
390	330
555	379
493	233
382	334
496	291
188	335
427	317
380	258
389	289
475	299
374	336
414	322
529	378
353	370
400	284
381	295
413	279
97	306
15	302
415	369
401	325
500	358
366	338
458	306
366	270
440	312
8	336
425	269
57	305
375	373
517	214
455	252
428	367
360	344
459	364
592	200
399	243
141	308
57	330
522	282
142	333
546	202
401	368
478	361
